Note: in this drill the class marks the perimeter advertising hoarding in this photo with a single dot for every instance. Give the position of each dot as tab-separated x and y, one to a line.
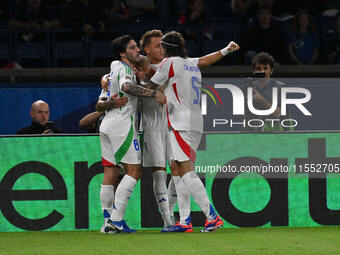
53	183
215	106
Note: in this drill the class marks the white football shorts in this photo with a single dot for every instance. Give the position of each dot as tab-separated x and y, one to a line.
117	150
182	145
155	148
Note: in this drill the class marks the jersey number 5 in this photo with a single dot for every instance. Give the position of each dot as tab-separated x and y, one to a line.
193	80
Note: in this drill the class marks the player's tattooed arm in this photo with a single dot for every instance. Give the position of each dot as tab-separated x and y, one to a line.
137	90
155	86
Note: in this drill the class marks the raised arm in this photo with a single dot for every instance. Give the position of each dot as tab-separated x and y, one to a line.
137	90
212	58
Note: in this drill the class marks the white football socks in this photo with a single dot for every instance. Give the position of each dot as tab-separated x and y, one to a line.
196	188
183	198
161	195
122	197
106	199
172	197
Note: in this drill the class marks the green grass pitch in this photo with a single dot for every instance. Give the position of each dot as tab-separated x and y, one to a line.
320	240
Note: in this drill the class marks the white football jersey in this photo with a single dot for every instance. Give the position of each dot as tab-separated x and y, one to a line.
154	114
118	120
182	80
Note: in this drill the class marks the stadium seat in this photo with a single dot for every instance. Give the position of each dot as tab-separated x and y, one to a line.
213	45
218	8
35	49
100	46
191	48
99	50
64	46
5	44
222	34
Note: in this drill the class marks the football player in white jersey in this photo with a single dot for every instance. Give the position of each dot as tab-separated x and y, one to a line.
181	79
111	172
155	129
118	136
155	134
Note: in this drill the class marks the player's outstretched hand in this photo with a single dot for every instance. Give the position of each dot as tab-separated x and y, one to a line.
118	102
233	46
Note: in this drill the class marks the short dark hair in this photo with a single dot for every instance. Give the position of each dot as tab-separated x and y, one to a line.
263	58
296	26
119	45
262	8
146	38
173	43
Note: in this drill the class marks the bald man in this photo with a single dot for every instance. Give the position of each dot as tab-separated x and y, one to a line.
40	113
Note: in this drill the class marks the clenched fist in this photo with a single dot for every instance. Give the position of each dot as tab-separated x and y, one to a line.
233	46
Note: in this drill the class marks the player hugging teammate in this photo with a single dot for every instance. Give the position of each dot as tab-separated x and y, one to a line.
171	121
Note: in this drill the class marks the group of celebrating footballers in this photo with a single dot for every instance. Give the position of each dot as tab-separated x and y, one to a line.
165	86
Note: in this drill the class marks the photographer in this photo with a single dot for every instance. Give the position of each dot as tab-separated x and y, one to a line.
40	113
262	85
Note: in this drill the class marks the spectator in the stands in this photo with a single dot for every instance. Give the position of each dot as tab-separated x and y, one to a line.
196	15
140	7
33	17
170	11
84	16
40	114
241	8
246	9
333	56
280	7
115	13
265	36
303	42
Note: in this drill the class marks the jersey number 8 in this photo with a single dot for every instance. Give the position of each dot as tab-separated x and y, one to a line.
135	143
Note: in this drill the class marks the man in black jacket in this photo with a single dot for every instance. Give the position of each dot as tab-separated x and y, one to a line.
40	114
264	36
